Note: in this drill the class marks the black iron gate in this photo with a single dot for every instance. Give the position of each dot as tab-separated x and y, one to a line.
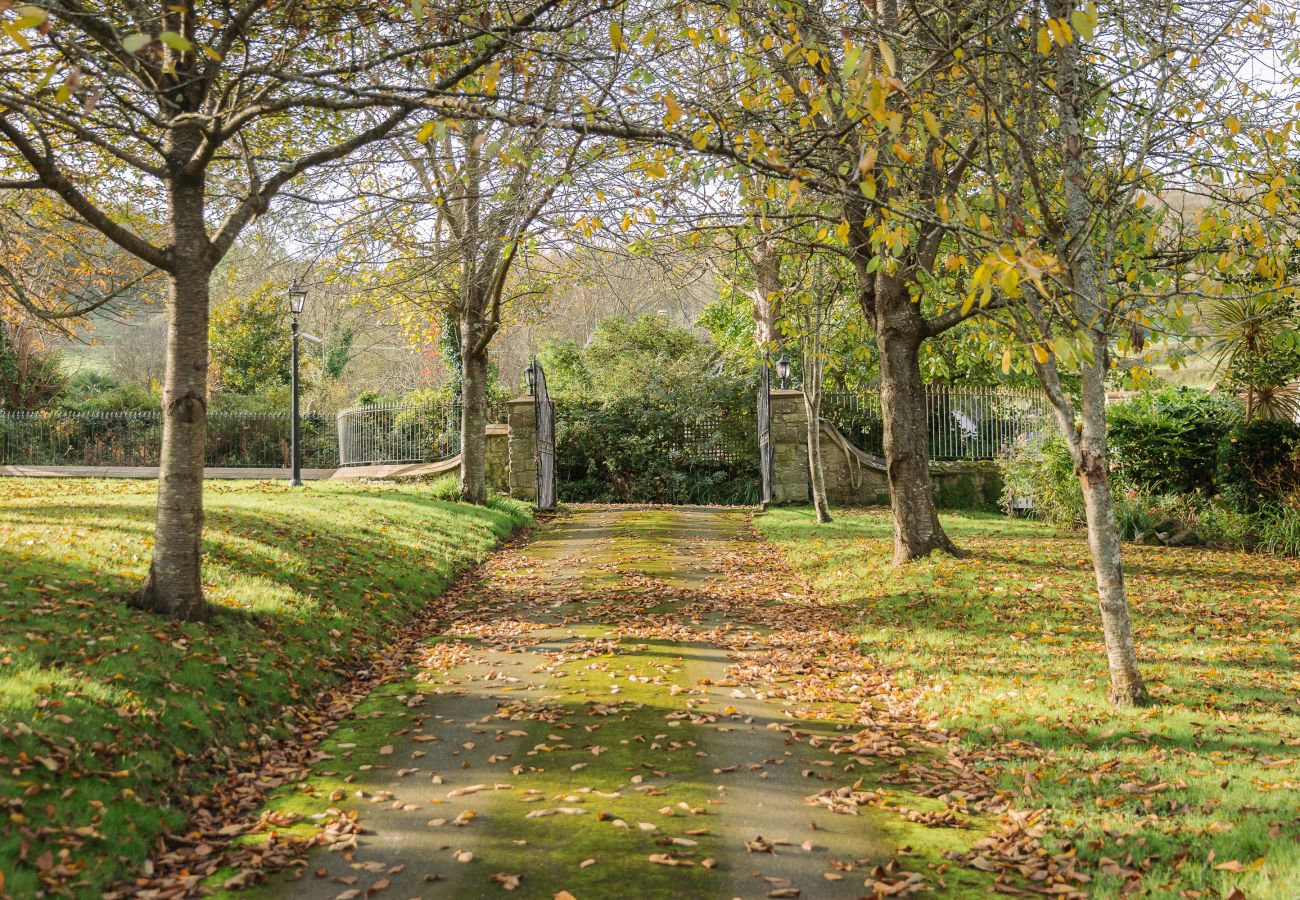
545	419
766	458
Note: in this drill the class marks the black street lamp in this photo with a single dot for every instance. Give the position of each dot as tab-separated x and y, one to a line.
783	371
297	300
530	375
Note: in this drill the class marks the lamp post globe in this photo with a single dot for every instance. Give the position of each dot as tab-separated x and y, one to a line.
783	371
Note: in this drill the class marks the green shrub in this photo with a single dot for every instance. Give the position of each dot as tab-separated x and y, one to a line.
98	392
1165	441
956	493
1221	524
1039	468
445	488
691	443
1259	463
1157	518
1278	528
962	492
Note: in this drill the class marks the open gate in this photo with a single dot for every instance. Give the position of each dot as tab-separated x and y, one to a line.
545	419
766	457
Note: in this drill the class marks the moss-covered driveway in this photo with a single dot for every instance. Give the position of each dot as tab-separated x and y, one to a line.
638	701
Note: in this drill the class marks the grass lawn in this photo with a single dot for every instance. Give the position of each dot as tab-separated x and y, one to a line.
110	718
1195	797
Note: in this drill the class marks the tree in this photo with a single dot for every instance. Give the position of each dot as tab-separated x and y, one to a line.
816	311
249	350
841	109
31	373
1103	123
195	117
1256	348
477	204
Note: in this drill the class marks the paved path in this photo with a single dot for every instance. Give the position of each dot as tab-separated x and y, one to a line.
152	472
621	707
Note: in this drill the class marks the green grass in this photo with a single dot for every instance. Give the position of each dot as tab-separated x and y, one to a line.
1198	793
110	718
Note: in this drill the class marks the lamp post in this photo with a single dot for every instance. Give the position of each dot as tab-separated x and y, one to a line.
530	375
297	300
783	371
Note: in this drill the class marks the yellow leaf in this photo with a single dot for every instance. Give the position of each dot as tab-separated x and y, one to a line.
134	43
1085	21
1233	124
1009	281
616	37
886	57
931	123
490	77
1061	32
1040	353
1044	42
426	131
674	109
16	36
1006	361
176	41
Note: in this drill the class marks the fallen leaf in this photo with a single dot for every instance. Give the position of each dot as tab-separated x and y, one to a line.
506	880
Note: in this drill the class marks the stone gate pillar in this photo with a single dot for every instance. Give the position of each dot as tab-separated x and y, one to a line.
790	478
521	416
497	464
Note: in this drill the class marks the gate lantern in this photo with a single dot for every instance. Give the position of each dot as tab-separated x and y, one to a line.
783	371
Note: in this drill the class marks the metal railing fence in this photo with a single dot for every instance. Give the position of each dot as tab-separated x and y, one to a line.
965	423
391	433
234	440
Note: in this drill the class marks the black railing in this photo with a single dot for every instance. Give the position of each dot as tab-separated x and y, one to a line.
234	440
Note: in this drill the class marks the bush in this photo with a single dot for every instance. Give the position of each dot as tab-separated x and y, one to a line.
1039	469
445	488
1259	464
691	444
98	392
962	492
1279	529
1220	524
1165	442
1169	519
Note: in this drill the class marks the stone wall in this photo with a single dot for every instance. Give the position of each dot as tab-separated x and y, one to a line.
521	418
855	478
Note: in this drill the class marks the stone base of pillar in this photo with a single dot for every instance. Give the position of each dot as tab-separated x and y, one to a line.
790	477
521	418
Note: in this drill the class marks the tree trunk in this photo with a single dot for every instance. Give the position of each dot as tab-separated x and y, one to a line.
473	417
1089	451
175	586
766	264
899	331
813	408
1126	685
